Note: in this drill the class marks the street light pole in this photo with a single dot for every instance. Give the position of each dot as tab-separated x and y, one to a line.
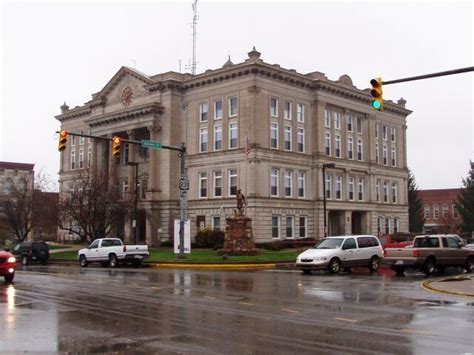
135	202
328	165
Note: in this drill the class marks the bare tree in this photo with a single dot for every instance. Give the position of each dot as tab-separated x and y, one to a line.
92	209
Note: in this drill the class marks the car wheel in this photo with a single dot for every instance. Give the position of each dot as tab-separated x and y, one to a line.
113	261
306	271
469	266
9	277
399	270
430	266
334	266
83	261
24	260
374	264
104	263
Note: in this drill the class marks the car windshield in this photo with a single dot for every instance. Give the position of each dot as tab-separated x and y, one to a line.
330	243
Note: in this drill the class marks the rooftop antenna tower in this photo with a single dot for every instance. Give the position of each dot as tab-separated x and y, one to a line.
193	64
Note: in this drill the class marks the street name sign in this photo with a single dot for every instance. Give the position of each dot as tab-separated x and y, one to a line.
151	144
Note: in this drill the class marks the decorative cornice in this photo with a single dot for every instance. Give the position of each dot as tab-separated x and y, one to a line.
123	115
73	113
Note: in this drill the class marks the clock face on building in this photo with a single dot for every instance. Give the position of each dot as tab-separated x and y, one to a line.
127	96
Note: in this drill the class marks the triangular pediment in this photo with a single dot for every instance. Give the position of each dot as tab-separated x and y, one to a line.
124	81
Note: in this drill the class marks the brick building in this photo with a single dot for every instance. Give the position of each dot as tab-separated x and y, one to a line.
254	126
439	210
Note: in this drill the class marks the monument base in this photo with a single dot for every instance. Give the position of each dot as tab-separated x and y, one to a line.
238	237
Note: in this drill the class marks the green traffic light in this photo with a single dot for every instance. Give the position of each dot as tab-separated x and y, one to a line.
376	104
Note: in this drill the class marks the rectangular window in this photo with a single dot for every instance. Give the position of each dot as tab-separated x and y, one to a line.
233	133
337	120
427	212
289	227
455	212
394	156
274	182
377	153
275	227
385	191
216	223
203	140
327	118
73	160
218	111
379	225
126	153
233	106
445	211
73	141
351	189
396	225
232	182
384	154
393	134
202	184
338	187
82	139
328	186
360	189
327	143
81	157
302	227
288	183
350	123
301	183
435	212
384	133
377	191
144	188
338	146
359	125
273	107
274	135
89	156
350	148
287	137
394	192
300	140
89	132
387	225
377	129
360	150
124	188
203	111
300	112
288	109
218	183
218	137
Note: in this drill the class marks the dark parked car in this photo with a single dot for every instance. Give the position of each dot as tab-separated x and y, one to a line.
32	251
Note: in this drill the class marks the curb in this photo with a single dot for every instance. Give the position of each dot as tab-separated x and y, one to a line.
426	285
213	266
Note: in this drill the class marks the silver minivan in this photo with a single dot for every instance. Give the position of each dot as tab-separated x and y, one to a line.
345	251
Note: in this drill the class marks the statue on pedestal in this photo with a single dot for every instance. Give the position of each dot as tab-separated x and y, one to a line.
240	202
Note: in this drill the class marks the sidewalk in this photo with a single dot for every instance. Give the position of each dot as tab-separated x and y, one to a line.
461	285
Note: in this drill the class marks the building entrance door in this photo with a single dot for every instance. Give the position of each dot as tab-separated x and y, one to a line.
356	223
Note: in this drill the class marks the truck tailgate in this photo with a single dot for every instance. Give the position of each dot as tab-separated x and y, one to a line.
395	253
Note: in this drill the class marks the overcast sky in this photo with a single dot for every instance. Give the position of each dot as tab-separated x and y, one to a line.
53	52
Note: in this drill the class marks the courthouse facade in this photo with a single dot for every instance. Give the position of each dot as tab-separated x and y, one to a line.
252	126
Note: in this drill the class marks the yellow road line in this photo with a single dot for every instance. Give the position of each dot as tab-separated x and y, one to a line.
247	304
346	319
407	330
209	297
289	310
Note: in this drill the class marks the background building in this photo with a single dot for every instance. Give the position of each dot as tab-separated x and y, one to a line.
439	209
252	126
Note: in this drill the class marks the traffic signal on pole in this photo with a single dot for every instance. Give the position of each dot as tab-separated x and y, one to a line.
376	93
116	143
62	140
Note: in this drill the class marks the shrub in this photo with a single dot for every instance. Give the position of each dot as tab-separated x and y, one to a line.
207	238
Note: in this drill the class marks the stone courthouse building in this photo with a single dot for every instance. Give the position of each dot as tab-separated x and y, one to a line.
252	126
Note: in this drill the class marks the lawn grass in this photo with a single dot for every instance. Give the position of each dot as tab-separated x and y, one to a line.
202	255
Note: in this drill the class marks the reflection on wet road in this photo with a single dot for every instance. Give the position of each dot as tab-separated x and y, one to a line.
208	312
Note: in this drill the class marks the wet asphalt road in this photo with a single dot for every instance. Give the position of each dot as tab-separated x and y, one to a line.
167	311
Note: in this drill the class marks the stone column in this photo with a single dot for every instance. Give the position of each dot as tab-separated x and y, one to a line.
404	148
153	164
347	222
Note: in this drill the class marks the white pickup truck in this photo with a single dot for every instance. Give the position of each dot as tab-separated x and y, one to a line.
111	251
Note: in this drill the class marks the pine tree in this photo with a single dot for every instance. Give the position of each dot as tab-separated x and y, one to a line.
416	220
465	202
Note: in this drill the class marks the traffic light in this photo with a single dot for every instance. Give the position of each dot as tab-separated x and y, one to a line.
116	143
62	140
376	93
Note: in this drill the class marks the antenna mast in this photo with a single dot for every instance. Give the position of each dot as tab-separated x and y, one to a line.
195	18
